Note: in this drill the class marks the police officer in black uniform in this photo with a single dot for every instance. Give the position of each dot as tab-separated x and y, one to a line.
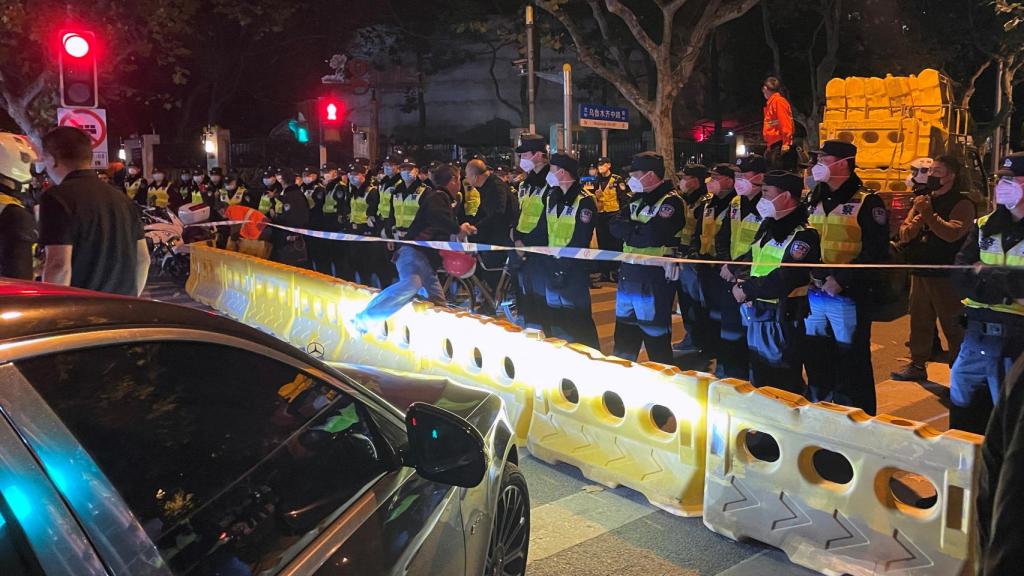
213	194
569	218
773	297
292	210
316	196
335	212
694	190
611	194
135	186
532	297
367	258
649	225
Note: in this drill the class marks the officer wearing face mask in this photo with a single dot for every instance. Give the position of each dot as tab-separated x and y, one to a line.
695	196
854	227
405	199
649	225
367	259
214	194
610	193
994	337
234	190
158	192
714	239
197	187
569	218
933	233
135	186
316	196
260	197
773	298
389	180
532	298
289	209
335	213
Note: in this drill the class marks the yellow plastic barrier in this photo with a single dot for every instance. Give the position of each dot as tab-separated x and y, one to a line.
898	90
856	98
205	280
887	143
929	89
826	484
835	100
238	288
318	327
892	180
878	99
488	353
273	303
640	426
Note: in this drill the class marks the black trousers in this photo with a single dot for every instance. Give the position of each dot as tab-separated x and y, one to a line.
607	241
567	293
532	295
726	335
643	313
776	347
839	371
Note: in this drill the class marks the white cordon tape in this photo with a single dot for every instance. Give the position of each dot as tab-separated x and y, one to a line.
589	253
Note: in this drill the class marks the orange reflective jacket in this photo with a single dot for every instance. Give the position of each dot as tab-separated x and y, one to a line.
255	221
778	121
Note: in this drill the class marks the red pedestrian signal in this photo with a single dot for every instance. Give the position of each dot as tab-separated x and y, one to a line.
77	59
332	111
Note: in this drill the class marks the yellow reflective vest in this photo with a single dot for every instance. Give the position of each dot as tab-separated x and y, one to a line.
840	232
994	253
607	198
766	259
157	195
636	214
562	225
742	229
407	205
711	225
531	206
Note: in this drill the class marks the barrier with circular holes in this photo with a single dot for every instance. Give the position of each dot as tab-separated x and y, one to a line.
622	423
838	491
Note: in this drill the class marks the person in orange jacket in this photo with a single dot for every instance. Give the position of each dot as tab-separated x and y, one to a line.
778	126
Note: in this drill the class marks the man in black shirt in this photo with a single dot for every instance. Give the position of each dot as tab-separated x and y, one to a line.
17	227
91	230
290	209
417	266
491	221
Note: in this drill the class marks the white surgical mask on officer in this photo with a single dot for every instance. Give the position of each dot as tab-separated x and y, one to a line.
197	178
822	172
133	171
714	186
268	182
231	187
184	177
551	179
780	206
389	170
158	177
744	187
1009	192
308	179
526	164
645	182
407	177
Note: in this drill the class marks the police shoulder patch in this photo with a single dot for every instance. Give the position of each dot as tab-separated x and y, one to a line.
287	207
880	215
586	215
666	211
799	249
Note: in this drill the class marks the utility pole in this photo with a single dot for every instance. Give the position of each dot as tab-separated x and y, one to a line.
997	135
567	93
530	82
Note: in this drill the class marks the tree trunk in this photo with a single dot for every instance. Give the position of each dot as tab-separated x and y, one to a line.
421	104
769	39
661	126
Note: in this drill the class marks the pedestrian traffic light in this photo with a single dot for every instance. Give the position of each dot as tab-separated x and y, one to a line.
77	59
301	130
332	112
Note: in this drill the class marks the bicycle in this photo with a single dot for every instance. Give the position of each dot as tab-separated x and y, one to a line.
466	290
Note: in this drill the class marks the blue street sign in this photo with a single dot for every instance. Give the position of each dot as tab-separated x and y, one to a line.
609	117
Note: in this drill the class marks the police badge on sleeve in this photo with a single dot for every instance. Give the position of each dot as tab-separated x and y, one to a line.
586	215
666	211
799	249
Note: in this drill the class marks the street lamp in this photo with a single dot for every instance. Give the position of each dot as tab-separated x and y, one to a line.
210	141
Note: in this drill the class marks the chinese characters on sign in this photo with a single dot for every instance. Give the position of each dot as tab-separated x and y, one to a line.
608	117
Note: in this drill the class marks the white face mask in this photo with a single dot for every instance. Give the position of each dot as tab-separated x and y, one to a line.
714	186
308	179
406	176
389	171
133	171
551	179
1009	192
231	187
767	209
823	172
635	185
197	179
268	181
744	187
184	177
158	177
526	164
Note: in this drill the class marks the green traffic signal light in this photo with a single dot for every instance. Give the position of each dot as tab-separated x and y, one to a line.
301	131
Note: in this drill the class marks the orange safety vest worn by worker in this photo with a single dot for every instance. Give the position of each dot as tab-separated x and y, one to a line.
778	121
255	221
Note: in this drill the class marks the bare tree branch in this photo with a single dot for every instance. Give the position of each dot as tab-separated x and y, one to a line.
965	101
615	46
769	39
633	23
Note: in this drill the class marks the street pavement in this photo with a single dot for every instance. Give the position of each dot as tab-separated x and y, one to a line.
582	528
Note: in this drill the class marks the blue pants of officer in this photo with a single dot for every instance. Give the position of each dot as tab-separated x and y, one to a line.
532	297
695	321
988	351
776	347
643	313
726	333
415	276
567	295
838	353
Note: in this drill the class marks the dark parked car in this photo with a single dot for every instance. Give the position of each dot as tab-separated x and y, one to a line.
146	438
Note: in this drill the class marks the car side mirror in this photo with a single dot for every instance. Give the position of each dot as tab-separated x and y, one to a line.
443	447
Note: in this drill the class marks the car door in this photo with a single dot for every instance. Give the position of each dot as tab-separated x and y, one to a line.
200	453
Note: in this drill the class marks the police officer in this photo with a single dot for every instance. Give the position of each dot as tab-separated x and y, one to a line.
773	297
292	210
214	193
316	196
135	185
611	194
695	196
569	217
405	199
261	198
994	337
650	226
234	190
367	258
17	226
159	191
335	212
196	189
854	227
533	190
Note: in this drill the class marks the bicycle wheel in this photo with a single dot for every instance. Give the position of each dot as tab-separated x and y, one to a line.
505	296
459	293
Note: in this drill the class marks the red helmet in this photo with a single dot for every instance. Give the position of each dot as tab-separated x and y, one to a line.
458	264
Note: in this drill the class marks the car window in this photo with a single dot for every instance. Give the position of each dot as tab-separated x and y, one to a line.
230	460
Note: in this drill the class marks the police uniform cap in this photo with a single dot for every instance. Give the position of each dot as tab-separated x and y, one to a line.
197	171
502	169
362	160
604	160
1013	165
310	170
407	163
698	171
792	183
648	162
434	165
328	166
752	163
216	171
531	143
132	164
356	168
231	177
287	174
389	159
158	170
268	172
724	169
838	148
567	163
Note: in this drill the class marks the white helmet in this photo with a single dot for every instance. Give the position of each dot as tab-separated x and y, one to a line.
919	170
16	157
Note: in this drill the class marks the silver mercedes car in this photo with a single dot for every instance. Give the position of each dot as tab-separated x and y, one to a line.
146	438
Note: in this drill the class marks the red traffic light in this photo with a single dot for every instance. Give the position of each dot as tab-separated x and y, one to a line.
332	111
75	44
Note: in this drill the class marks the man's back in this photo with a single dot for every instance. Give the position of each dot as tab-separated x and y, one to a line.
102	227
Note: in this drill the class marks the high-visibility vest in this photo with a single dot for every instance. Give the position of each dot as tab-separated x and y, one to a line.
330	202
531	206
472	201
386	198
686	234
132	188
710	226
636	214
6	200
562	225
157	195
607	198
197	196
766	259
309	197
265	204
406	207
995	254
254	220
237	197
840	232
742	230
359	209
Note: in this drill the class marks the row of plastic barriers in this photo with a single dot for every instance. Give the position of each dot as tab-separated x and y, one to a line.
838	491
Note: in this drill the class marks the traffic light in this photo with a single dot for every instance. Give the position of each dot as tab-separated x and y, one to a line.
77	58
332	113
301	130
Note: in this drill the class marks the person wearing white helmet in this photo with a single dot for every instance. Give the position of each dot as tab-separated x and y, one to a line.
919	171
17	226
